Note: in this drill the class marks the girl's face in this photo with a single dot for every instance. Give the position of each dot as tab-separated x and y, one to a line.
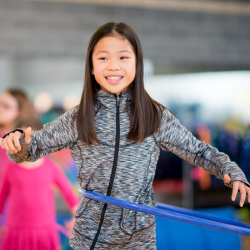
9	110
114	64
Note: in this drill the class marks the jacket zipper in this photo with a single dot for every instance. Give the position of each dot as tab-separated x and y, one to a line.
112	177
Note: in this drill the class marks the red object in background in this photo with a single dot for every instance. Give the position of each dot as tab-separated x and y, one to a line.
201	175
169	186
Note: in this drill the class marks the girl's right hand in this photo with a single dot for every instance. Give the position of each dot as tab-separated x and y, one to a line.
11	142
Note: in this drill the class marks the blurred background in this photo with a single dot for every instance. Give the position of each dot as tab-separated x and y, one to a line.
197	64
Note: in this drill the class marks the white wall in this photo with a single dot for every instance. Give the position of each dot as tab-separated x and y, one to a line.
220	93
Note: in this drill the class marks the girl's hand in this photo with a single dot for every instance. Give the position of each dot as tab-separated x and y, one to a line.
70	225
242	187
11	142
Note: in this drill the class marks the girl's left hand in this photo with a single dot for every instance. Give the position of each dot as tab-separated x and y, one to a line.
70	224
241	187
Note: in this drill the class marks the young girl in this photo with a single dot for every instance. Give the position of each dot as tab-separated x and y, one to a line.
31	220
115	135
14	105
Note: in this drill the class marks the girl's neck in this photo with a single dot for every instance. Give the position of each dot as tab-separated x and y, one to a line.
31	165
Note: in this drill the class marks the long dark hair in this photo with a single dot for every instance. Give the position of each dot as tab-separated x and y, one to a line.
145	113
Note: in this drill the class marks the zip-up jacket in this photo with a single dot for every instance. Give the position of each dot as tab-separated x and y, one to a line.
122	169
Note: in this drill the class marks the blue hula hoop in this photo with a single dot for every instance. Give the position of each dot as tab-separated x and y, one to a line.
202	215
182	215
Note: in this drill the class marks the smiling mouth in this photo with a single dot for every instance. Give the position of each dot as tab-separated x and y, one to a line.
114	78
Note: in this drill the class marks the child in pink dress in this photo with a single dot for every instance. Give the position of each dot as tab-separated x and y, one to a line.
14	106
31	220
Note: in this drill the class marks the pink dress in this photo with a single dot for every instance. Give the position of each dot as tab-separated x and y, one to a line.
4	162
31	217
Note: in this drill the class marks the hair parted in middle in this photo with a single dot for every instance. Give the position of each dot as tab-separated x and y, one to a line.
145	118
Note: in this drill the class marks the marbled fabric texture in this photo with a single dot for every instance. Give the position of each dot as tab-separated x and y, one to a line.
122	228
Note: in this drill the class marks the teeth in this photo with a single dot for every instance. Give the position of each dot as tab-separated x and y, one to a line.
114	78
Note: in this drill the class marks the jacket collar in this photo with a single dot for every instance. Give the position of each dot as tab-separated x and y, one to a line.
109	99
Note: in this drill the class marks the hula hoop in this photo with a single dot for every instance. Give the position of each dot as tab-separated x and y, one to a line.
201	215
219	224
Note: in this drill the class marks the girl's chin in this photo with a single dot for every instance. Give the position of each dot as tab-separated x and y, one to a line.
115	90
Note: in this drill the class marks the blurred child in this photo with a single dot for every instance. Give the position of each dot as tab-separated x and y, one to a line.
14	105
31	220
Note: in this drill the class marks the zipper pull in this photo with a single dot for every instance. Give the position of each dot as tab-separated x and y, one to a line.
118	101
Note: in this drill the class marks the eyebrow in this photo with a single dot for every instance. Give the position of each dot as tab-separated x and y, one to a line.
125	50
105	51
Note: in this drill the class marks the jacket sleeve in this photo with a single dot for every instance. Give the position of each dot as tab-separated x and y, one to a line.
174	137
54	136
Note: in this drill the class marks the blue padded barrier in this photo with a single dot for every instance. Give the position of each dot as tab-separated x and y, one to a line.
174	235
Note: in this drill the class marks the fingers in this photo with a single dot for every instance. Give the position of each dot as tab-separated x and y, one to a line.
16	140
243	194
227	179
27	134
244	190
235	190
8	143
11	142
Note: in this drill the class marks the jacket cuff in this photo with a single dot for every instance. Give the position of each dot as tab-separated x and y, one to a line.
236	174
13	131
24	153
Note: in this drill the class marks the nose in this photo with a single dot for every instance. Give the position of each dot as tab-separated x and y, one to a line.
113	65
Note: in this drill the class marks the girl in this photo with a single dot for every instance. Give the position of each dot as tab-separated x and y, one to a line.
31	220
115	135
14	105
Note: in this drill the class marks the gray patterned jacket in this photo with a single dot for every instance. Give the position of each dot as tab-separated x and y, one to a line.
134	174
